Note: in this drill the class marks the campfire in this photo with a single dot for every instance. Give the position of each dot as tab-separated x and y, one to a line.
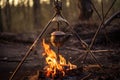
56	64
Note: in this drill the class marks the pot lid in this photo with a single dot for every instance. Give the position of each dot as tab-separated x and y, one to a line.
57	33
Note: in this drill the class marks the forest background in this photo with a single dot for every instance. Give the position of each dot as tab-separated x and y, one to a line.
30	16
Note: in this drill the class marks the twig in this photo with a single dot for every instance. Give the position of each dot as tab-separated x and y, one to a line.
93	51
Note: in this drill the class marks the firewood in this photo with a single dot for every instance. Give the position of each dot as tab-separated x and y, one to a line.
91	68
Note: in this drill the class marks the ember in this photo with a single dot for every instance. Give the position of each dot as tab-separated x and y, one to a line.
56	64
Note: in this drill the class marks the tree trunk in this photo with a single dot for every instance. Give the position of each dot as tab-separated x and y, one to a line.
7	16
85	9
36	13
51	2
1	25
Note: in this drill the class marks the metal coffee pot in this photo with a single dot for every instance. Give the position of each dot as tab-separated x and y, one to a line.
58	38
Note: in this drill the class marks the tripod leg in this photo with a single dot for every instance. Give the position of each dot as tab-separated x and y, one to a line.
30	49
84	44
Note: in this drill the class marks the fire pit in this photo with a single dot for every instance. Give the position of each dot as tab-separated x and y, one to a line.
56	64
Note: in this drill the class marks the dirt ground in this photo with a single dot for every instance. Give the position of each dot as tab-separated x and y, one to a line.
12	52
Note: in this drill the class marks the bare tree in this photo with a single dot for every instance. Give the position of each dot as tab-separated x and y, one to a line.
85	9
36	13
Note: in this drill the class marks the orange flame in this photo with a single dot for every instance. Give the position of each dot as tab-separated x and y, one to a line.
55	63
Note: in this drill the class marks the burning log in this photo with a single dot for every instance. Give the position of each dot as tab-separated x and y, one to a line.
69	74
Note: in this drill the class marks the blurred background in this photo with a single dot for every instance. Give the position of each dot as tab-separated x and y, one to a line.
30	16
